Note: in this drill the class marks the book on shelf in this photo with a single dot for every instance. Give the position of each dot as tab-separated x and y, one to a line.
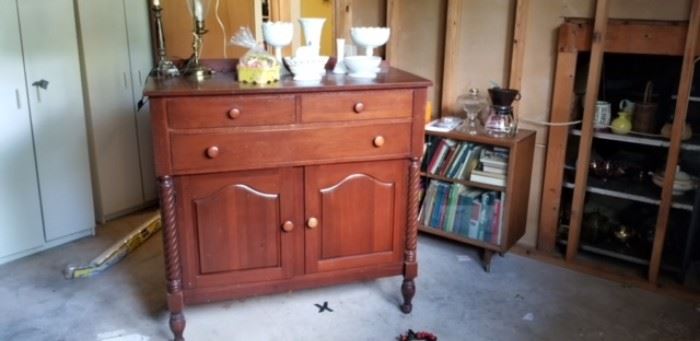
438	213
493	162
428	203
442	150
457	160
493	170
497	219
464	203
449	160
431	143
451	212
444	124
488	178
473	231
464	211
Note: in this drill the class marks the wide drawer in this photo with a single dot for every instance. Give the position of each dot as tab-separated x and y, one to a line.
356	105
230	111
198	153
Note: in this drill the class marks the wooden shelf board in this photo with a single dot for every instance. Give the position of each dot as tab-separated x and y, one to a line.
618	255
506	142
456	237
598	188
638	139
691	98
465	182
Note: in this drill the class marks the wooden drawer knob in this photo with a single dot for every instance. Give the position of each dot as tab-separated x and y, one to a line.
288	226
212	152
234	113
359	106
312	223
378	141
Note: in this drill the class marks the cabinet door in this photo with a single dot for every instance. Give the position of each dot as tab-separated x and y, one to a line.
360	210
50	43
111	106
20	213
141	58
233	226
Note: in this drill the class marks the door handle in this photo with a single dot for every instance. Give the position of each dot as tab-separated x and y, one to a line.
42	83
19	99
126	86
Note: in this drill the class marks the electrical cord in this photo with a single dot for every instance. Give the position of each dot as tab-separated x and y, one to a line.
550	124
221	25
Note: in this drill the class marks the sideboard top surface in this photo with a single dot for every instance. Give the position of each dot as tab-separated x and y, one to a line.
224	83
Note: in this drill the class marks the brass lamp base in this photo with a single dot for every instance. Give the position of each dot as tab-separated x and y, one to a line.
166	68
196	71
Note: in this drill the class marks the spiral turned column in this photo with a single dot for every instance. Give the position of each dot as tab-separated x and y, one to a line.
173	272
408	288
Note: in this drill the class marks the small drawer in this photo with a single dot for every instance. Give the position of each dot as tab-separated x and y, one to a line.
200	153
356	105
230	111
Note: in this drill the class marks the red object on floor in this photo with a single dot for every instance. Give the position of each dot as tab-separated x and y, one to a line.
417	336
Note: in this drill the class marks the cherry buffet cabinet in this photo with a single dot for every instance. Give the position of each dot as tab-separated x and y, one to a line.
290	186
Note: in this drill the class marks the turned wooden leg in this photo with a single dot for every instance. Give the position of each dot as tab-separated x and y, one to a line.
173	273
408	288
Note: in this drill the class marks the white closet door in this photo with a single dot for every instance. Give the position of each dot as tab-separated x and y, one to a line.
20	212
114	136
50	42
141	57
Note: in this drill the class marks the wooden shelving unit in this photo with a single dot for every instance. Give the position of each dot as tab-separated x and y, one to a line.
621	37
693	145
516	190
634	192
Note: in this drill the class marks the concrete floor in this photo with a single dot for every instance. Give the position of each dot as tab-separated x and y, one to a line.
521	299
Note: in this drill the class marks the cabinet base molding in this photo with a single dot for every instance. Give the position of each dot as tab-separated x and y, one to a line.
235	291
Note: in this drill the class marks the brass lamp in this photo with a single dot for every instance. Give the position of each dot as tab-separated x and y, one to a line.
165	67
194	69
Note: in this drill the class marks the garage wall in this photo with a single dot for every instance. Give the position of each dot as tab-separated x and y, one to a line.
421	36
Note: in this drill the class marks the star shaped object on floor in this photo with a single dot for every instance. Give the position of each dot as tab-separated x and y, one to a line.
323	307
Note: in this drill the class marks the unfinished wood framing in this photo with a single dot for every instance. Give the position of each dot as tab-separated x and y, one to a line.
522	12
454	21
631	36
622	36
681	112
392	21
343	19
562	105
280	10
584	151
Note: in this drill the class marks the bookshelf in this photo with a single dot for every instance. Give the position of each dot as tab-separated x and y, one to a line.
458	206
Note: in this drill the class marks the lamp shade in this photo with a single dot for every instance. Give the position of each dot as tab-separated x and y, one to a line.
198	8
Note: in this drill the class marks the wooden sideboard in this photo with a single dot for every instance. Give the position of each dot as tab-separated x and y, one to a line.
289	186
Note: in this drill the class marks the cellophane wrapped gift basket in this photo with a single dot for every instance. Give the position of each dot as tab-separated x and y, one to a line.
257	66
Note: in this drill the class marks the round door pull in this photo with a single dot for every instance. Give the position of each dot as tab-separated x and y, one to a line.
378	141
212	152
312	223
288	226
234	113
359	107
